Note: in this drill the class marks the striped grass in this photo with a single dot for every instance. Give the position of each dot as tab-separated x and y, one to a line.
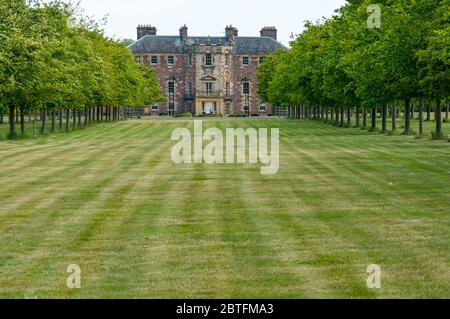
109	199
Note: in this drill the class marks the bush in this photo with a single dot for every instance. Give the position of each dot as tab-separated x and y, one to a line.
236	115
185	114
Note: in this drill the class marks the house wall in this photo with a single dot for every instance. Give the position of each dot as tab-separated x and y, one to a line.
198	74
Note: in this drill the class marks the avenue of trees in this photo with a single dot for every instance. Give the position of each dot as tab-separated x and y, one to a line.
58	67
358	65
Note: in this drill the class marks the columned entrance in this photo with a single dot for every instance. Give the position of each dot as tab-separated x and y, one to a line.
209	107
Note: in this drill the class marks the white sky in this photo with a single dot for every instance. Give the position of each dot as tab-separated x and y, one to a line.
209	17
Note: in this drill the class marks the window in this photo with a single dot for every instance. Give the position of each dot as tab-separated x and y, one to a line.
208	59
171	87
245	60
208	87
155	108
154	59
189	60
171	60
227	59
246	88
262	108
227	89
138	59
189	89
262	59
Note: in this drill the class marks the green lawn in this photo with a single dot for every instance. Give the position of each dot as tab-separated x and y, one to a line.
109	199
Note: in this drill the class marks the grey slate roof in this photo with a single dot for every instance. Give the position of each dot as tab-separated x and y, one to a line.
256	45
173	44
157	44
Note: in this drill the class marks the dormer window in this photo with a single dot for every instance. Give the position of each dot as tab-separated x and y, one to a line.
245	60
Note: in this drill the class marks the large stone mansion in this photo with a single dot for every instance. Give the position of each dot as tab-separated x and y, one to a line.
207	75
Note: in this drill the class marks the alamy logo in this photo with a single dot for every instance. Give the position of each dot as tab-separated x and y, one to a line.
374	19
374	277
74	279
229	148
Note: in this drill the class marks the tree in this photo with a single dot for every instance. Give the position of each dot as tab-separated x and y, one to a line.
435	61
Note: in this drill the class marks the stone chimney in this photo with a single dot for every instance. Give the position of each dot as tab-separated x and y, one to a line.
143	30
270	32
184	33
231	32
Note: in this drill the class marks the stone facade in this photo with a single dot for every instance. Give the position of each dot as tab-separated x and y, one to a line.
207	75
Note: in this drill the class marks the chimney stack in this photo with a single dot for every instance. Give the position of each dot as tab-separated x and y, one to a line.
231	32
184	33
270	32
143	30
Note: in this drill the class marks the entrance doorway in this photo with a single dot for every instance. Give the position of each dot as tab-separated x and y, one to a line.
210	108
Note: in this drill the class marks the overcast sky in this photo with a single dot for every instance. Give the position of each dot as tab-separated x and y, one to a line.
209	17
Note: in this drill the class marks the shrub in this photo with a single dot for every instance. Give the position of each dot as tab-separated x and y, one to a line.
185	114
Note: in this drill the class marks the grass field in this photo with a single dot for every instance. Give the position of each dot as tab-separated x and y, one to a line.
110	199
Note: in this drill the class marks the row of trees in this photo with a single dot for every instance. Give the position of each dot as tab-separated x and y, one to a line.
367	59
54	62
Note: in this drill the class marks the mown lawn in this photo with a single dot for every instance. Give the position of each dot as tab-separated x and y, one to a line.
109	199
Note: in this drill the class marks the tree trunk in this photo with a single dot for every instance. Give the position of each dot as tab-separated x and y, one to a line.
22	121
1	116
86	111
34	124
428	113
60	120
12	123
364	118
374	118
394	116
407	117
44	121
67	119
438	113
336	123
53	121
384	118
349	117
421	116
74	120
447	109
358	117
79	118
342	117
